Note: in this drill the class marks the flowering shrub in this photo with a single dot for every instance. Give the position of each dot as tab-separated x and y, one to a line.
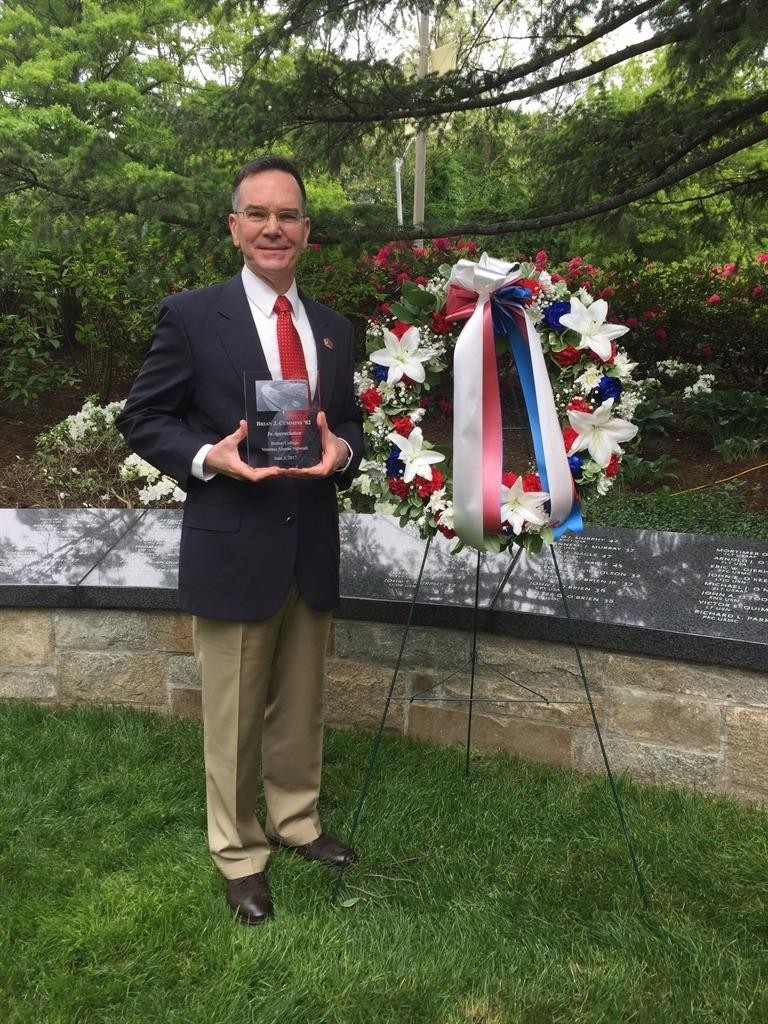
85	461
716	314
409	476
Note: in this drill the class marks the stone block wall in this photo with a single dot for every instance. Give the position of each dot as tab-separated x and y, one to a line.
670	722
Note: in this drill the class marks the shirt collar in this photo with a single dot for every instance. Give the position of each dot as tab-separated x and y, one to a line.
262	296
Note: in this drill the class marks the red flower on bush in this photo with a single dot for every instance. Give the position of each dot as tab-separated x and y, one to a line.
762	257
706	351
713	299
445	405
631	321
540	259
370	399
661	334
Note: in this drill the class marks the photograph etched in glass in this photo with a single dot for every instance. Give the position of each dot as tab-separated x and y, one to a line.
282	422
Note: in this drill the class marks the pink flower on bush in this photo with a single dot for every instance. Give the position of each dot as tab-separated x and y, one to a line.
540	259
713	299
706	351
661	334
441	244
402	277
762	257
648	314
729	269
758	290
631	321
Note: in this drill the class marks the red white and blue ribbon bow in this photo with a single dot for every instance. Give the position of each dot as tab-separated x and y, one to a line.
485	295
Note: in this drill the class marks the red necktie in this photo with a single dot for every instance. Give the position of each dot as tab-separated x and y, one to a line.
289	343
292	364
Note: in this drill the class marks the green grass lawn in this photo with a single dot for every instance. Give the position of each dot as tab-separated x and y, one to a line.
500	899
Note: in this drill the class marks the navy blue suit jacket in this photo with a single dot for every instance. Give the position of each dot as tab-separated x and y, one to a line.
241	543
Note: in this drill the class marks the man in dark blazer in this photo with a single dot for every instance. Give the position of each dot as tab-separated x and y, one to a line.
259	556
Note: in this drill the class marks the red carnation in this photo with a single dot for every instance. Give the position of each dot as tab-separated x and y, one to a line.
613	466
399	328
569	437
426	487
540	259
398	486
446	532
508	479
402	425
530	283
370	399
531	482
568	357
440	323
579	405
614	349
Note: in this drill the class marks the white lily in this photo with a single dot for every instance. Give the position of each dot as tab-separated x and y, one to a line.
590	323
519	507
402	357
599	433
418	460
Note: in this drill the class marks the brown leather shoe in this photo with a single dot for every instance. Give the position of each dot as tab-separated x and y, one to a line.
326	849
249	898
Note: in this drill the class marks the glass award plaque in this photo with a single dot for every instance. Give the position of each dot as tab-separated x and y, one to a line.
282	422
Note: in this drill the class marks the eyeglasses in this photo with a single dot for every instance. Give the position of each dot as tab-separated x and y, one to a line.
258	215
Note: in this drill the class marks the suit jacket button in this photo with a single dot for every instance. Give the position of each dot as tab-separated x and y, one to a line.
289	520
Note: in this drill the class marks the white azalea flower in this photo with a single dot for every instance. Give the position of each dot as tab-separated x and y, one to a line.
519	507
599	433
590	323
401	356
417	459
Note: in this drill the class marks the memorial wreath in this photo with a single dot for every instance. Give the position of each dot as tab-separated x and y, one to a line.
577	389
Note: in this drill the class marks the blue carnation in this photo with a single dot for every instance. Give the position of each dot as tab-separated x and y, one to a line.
379	373
575	462
395	467
608	387
552	313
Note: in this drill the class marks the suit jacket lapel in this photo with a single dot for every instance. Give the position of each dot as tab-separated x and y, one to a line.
237	331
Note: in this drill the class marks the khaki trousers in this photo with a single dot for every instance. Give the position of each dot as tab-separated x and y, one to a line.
262	717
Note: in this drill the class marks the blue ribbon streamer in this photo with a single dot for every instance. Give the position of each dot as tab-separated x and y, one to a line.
504	325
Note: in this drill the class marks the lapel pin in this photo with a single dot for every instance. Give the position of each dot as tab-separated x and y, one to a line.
327	342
